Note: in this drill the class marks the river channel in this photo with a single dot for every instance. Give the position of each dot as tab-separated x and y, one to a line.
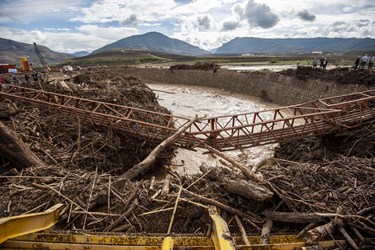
189	101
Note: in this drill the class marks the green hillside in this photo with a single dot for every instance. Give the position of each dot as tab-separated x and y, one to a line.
154	41
11	52
241	45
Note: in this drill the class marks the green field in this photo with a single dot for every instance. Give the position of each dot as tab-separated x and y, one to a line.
141	57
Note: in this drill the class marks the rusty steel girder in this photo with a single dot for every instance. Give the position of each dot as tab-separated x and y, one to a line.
223	132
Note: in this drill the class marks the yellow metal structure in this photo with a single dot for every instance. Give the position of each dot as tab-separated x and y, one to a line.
221	234
25	64
167	243
71	241
14	226
17	233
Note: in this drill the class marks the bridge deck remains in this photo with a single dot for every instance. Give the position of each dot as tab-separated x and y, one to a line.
224	132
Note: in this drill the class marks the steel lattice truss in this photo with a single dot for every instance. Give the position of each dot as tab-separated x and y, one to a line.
222	132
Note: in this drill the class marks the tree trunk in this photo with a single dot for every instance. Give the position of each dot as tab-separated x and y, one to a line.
250	216
293	217
15	151
119	220
266	232
320	232
248	173
165	188
233	184
150	159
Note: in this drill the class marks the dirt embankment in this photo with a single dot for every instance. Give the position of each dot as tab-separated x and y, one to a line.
58	138
204	66
85	164
282	88
338	75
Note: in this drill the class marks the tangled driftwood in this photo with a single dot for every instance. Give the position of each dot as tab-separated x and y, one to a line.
81	166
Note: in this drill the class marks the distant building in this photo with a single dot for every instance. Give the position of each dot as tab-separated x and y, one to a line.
317	52
6	68
247	54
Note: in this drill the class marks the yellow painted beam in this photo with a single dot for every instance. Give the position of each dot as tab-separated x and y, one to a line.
167	243
15	244
12	244
221	234
14	226
114	239
58	240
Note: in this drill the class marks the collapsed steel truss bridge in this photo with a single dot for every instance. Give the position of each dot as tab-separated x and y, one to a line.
223	132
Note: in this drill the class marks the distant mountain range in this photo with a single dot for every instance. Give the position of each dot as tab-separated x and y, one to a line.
154	41
295	45
11	52
81	53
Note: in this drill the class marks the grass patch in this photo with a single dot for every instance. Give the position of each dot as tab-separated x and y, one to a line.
104	61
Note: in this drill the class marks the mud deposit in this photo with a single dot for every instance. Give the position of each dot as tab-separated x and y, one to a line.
326	185
337	75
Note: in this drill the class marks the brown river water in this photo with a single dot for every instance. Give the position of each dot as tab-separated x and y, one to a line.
189	101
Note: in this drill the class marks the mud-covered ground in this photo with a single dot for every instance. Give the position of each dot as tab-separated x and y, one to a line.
337	75
76	145
84	165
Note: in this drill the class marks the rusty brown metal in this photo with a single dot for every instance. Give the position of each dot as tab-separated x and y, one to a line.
223	132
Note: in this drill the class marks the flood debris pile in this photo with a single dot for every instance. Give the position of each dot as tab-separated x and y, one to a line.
197	66
305	196
356	142
66	141
310	188
337	75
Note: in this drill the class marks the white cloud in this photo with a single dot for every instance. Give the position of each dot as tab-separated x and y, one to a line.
116	10
26	11
260	15
204	22
108	33
104	21
132	20
196	7
86	37
56	29
230	25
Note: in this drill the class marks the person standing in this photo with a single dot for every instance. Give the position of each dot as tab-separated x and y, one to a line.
35	76
363	61
325	63
315	63
356	62
15	80
321	62
41	77
27	78
370	62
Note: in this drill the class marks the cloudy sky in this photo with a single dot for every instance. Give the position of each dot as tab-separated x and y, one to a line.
70	26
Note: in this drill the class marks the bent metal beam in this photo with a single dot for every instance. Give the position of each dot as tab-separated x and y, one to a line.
223	132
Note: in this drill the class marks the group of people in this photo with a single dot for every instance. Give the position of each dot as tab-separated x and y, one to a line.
361	62
36	77
323	63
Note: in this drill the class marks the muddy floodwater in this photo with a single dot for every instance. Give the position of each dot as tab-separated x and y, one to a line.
274	68
189	101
